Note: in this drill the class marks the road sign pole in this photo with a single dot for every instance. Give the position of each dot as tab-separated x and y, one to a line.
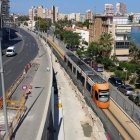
3	91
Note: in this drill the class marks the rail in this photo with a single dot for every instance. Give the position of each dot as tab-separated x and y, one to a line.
128	133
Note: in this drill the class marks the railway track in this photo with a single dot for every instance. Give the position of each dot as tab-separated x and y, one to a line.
127	128
125	125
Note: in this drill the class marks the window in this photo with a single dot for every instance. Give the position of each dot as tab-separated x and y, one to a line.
96	95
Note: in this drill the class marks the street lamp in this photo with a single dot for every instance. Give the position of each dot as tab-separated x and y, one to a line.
125	70
2	77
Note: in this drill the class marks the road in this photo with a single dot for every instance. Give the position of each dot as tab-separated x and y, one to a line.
26	48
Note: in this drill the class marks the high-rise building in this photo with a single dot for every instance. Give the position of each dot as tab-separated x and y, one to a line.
62	16
77	17
55	12
109	10
49	13
32	13
40	11
72	16
120	8
100	25
82	17
5	9
89	15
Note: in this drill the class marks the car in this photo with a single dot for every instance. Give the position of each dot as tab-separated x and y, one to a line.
137	83
135	98
126	89
115	81
10	51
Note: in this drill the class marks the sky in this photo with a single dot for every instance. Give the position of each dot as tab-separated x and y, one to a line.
71	6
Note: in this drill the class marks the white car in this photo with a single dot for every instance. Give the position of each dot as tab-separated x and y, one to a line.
10	51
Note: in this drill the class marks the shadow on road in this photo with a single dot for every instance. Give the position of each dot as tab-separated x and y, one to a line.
9	40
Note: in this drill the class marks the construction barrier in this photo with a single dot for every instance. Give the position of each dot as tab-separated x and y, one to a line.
27	67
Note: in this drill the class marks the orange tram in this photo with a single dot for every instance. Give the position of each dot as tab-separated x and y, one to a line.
92	82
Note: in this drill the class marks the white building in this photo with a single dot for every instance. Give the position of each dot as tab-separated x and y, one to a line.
62	16
136	17
120	29
120	20
77	17
32	13
83	33
120	8
109	10
71	16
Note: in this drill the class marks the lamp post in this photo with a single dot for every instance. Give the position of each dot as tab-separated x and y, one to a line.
125	70
2	78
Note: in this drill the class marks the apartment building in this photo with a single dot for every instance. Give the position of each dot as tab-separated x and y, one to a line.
72	16
82	18
99	25
83	33
55	12
120	8
136	17
121	20
120	29
62	16
89	15
77	17
109	10
40	11
32	13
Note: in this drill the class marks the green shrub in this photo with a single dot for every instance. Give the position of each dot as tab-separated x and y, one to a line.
132	81
120	74
111	69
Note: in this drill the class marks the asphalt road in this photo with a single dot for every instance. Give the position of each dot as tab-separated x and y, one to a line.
26	49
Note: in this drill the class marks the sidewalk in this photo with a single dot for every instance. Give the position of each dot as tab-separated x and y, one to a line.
32	124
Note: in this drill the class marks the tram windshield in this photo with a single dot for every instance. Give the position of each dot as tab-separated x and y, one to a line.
104	96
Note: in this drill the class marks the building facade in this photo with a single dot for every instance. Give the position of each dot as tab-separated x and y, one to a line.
120	8
121	42
32	13
120	20
99	25
55	13
120	29
136	17
89	15
109	10
40	11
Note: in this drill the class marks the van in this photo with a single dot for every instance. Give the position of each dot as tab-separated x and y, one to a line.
10	51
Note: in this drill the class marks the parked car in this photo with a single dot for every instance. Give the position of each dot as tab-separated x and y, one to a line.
137	83
115	81
135	98
126	89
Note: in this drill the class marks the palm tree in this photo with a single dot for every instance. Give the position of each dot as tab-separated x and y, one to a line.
134	51
106	41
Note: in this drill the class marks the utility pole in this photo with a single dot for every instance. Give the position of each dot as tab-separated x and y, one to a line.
2	77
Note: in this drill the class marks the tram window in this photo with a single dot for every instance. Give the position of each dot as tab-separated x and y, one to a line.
74	70
96	95
88	86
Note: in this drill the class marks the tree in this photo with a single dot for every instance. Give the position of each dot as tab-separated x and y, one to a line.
25	23
93	50
23	18
134	51
41	24
105	42
71	38
130	18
